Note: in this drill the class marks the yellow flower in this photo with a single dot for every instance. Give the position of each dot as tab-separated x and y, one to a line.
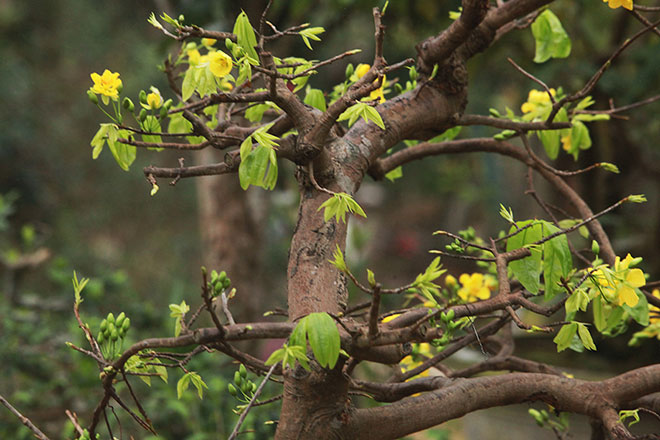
208	42
409	362
391	317
566	142
194	57
220	63
450	281
620	286
475	287
226	86
535	99
154	99
375	95
108	85
628	4
654	312
361	70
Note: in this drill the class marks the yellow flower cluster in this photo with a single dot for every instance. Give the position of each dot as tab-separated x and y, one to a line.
219	63
474	287
107	85
536	99
375	95
628	4
619	285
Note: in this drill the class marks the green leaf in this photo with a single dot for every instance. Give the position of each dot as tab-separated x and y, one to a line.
424	282
364	110
152	124
564	337
311	34
188	85
580	139
396	173
338	205
339	261
585	337
324	338
557	260
124	154
78	287
640	312
625	414
552	41
197	381
182	385
100	138
447	135
259	168
528	269
315	98
371	278
245	35
551	138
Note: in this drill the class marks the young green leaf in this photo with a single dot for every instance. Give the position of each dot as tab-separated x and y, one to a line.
338	205
245	35
311	34
552	41
565	336
528	269
315	98
557	260
585	337
339	261
324	338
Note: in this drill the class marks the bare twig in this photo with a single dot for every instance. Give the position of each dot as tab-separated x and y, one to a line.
24	420
244	414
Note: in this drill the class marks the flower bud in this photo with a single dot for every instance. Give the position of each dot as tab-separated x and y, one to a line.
168	104
595	248
349	70
232	390
110	318
128	104
238	379
143	97
163	113
92	97
143	115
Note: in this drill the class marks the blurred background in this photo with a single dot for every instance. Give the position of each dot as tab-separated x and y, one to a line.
61	211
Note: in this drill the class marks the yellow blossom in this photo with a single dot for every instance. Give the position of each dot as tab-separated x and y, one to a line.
220	63
208	41
409	362
108	85
361	70
654	312
474	287
154	99
194	57
620	286
566	142
226	86
628	4
450	281
375	95
535	99
391	317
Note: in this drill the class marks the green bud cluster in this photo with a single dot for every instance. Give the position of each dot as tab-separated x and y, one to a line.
219	282
243	388
111	334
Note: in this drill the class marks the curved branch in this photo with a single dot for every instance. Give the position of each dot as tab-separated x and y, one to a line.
595	399
382	166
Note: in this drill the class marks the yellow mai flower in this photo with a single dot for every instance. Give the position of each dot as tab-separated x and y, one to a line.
154	99
361	70
408	362
628	4
620	286
195	58
107	85
220	63
566	142
474	287
391	317
535	99
208	42
450	281
654	312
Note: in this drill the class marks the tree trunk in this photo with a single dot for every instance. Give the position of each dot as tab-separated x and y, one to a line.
230	236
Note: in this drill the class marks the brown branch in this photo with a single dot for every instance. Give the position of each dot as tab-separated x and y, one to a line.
373	311
594	399
24	420
423	150
511	125
166	145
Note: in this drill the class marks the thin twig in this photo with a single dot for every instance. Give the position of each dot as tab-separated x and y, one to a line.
251	403
24	420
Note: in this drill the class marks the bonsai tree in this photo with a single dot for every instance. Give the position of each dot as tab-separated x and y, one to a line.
230	92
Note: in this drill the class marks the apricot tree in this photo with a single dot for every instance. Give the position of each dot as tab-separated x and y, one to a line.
257	106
